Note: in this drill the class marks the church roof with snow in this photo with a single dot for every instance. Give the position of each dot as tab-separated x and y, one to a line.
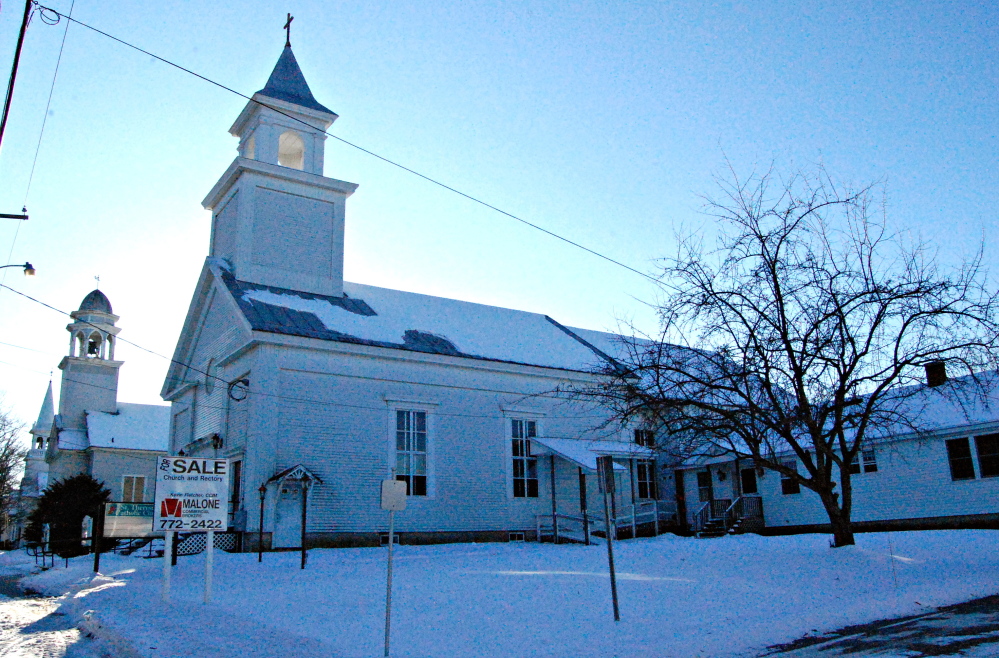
135	427
368	315
287	83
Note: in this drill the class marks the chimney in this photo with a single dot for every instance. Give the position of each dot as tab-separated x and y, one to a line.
936	373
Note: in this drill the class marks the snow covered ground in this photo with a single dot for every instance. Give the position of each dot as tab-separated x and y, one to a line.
679	597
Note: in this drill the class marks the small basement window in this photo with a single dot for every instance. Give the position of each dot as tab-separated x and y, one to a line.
516	536
383	538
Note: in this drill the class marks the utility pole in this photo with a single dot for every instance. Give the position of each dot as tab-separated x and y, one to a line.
13	70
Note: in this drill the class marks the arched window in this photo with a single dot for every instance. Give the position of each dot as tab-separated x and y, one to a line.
94	346
250	148
291	150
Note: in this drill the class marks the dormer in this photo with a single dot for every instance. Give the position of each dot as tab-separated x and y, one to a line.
284	124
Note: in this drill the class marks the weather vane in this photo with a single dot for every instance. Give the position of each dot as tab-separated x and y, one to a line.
287	28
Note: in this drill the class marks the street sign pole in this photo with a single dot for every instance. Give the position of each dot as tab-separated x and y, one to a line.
606	468
209	563
393	500
167	552
388	587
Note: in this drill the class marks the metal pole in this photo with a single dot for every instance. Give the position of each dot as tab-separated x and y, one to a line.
209	563
607	483
167	552
305	501
582	505
554	505
13	70
98	534
388	587
634	507
260	530
613	502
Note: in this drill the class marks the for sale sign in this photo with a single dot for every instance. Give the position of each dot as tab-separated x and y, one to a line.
190	494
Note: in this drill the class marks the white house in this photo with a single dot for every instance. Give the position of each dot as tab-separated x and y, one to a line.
115	442
944	476
317	389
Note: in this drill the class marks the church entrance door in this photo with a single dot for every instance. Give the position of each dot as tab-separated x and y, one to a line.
288	528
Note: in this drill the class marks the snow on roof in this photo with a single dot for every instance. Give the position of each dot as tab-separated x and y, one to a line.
584	452
423	323
72	439
134	427
966	400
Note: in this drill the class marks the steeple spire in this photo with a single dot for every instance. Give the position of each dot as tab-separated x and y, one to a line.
288	84
46	415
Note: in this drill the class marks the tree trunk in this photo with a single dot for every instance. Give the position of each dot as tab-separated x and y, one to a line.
839	519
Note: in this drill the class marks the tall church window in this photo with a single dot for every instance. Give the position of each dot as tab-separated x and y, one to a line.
411	450
525	465
291	150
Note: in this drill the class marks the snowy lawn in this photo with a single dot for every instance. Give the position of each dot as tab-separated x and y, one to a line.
679	597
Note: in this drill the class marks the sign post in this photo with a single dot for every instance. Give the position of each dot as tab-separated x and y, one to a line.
190	495
393	500
605	465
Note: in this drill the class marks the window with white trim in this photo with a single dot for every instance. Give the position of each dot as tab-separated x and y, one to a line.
525	465
133	489
789	486
646	438
411	450
646	479
865	461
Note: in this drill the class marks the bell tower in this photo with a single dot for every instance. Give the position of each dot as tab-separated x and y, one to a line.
89	372
276	219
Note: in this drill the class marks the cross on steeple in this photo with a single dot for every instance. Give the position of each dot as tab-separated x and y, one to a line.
98	280
287	27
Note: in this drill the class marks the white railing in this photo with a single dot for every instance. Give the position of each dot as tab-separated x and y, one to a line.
578	527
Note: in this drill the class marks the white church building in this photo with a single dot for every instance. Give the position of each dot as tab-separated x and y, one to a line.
305	381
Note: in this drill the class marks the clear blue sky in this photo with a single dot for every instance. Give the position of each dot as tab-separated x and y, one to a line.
602	121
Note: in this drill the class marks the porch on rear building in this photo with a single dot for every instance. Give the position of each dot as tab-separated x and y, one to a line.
576	496
721	496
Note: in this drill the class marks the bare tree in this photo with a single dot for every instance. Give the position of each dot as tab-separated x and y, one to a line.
12	454
804	332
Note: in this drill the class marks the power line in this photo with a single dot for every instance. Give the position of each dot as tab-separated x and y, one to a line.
45	116
384	159
276	396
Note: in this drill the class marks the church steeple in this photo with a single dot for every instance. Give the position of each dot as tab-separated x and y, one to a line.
284	123
277	220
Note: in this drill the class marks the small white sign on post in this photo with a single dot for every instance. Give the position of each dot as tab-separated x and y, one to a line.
393	500
190	495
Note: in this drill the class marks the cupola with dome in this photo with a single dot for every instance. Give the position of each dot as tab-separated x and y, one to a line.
89	371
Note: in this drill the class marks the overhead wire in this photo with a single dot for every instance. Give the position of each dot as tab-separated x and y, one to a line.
362	149
276	396
48	103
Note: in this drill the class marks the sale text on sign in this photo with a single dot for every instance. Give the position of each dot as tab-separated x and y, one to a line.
191	494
